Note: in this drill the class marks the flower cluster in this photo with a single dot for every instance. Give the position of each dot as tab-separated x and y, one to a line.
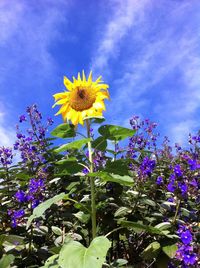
6	156
32	148
145	138
146	167
185	252
26	144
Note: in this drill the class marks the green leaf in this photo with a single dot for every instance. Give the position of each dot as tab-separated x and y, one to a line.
170	250
52	262
56	230
163	225
138	227
100	144
14	239
74	254
82	217
64	131
105	176
119	166
119	263
6	260
122	211
39	210
112	132
68	166
72	145
149	202
151	251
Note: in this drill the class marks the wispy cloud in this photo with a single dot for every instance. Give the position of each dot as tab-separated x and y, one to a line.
123	16
159	74
7	133
28	31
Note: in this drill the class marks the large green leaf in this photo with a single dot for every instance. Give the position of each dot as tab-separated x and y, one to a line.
119	166
64	131
151	251
39	210
170	250
100	143
74	254
52	262
72	145
68	166
112	132
6	260
105	176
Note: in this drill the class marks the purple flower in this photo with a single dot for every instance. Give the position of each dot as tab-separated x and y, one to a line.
177	171
193	164
171	187
49	121
85	171
147	166
186	237
5	156
35	203
183	187
16	216
190	258
159	180
20	196
22	118
36	185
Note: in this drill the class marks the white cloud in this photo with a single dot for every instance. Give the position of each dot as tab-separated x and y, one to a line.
27	32
160	48
124	15
7	133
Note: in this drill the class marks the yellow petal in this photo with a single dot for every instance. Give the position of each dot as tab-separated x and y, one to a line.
99	105
103	95
63	109
68	83
98	80
83	75
60	95
75	118
90	77
62	101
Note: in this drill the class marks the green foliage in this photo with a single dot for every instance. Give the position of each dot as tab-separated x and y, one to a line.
115	133
64	131
6	261
75	145
39	210
74	254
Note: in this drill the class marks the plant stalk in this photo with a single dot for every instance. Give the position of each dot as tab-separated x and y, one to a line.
92	183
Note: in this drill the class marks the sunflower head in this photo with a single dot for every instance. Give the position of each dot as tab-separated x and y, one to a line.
83	98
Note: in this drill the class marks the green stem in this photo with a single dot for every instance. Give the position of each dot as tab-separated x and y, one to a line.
177	209
92	184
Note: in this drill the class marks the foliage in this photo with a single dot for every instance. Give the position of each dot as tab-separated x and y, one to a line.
147	197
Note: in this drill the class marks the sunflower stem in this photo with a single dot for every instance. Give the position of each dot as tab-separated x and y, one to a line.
92	183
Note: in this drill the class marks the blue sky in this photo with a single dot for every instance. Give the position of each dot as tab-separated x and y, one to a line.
148	51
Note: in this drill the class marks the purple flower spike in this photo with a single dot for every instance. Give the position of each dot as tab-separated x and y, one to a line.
21	196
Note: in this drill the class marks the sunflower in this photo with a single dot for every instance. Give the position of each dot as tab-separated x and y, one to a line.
83	98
